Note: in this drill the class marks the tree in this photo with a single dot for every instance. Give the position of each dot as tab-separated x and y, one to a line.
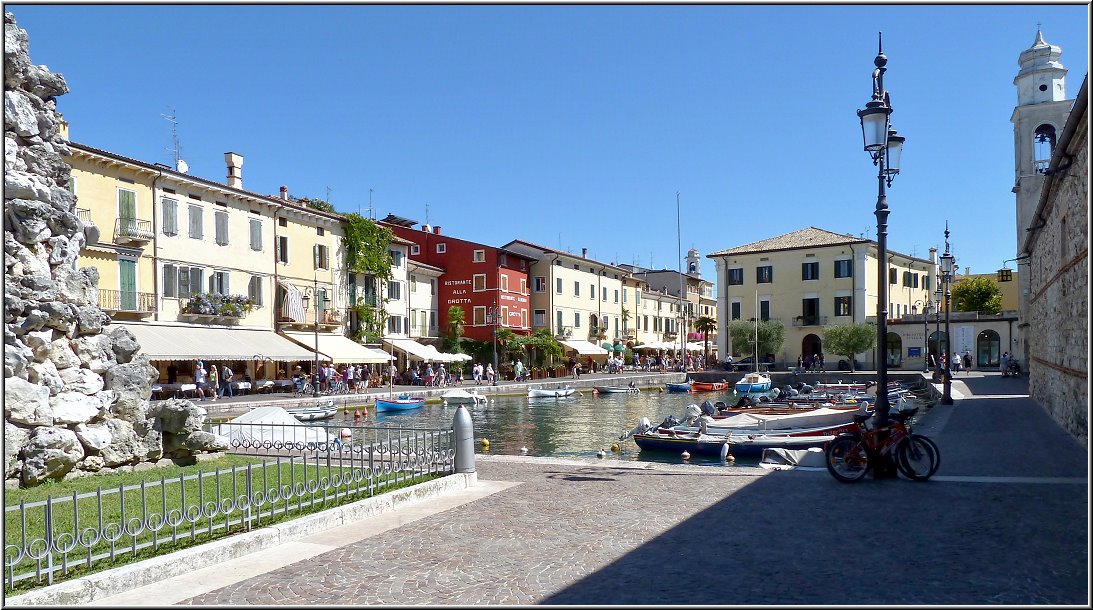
772	334
456	318
543	344
977	294
706	325
850	339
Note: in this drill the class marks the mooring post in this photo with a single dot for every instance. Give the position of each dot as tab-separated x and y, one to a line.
463	429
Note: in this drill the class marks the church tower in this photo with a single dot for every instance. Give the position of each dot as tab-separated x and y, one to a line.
692	263
1038	119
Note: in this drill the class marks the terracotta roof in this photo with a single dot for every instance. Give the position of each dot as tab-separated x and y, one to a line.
810	237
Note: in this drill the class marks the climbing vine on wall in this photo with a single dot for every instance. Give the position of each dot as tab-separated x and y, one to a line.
367	251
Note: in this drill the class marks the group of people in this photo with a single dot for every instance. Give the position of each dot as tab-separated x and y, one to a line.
212	383
346	379
814	363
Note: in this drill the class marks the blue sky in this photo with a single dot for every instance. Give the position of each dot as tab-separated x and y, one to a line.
575	126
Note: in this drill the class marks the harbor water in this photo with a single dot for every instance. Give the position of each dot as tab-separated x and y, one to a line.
575	427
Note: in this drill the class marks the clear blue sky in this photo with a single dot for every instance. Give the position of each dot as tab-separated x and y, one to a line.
575	126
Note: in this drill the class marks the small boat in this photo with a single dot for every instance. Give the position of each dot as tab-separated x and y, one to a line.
463	397
753	382
750	443
616	390
678	387
312	413
703	386
550	393
402	403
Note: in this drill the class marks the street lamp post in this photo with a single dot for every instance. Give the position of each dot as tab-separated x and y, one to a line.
493	316
884	146
938	295
948	262
925	333
306	300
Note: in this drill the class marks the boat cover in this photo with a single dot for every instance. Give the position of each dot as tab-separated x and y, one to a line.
272	424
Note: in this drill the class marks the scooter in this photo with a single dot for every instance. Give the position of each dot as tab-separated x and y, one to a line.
1012	368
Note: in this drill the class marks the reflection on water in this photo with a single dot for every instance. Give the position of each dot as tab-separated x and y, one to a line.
578	426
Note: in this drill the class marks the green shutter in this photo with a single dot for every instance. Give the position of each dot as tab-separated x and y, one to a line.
170	281
128	284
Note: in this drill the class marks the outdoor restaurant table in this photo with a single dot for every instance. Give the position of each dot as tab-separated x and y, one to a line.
174	389
241	386
263	385
282	385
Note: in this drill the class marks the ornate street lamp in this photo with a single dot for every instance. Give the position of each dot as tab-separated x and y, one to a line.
938	295
884	146
948	263
925	332
306	300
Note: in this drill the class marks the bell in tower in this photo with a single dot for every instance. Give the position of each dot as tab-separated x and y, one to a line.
692	263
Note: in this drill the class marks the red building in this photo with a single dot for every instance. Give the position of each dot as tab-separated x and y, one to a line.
485	281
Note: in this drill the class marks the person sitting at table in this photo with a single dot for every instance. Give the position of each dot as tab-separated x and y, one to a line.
416	379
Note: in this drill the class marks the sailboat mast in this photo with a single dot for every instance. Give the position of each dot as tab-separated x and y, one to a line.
756	331
679	266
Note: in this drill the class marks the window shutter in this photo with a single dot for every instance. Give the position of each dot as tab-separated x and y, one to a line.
224	277
183	282
170	217
315	254
255	234
197	277
170	281
222	228
196	222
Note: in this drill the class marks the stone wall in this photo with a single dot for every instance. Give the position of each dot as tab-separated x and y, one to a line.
75	391
1059	291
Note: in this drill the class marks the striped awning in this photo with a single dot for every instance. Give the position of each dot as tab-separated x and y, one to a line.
191	342
293	305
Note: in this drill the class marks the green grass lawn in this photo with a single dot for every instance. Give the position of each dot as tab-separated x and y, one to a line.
143	514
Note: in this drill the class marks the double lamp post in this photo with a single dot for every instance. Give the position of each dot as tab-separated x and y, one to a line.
305	299
884	146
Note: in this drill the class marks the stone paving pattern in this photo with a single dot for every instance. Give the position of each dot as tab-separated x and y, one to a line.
602	533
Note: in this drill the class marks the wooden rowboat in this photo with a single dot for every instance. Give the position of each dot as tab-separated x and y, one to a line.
402	403
704	386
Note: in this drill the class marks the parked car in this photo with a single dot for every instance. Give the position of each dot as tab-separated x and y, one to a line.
844	365
748	364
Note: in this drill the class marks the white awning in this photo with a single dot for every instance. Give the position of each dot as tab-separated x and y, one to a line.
584	348
413	349
162	342
339	348
293	305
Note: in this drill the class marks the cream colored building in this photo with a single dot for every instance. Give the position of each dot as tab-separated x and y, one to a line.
810	279
579	299
423	302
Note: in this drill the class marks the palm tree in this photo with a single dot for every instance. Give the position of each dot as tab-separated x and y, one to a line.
456	318
706	325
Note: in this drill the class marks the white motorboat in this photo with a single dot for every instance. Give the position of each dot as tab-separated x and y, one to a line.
313	413
550	393
459	396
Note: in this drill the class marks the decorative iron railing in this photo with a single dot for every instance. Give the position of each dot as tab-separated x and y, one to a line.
85	216
810	321
122	300
132	229
297	468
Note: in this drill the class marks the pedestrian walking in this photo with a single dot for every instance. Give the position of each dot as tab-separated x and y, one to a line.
201	377
226	382
967	361
490	374
214	381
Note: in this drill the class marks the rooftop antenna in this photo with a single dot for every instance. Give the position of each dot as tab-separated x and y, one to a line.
370	216
426	213
176	147
328	189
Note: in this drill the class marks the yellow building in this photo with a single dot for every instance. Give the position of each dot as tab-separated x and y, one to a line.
202	270
810	279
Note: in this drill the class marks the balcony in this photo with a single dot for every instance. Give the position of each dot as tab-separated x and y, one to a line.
132	231
329	319
810	321
90	230
565	333
596	333
118	301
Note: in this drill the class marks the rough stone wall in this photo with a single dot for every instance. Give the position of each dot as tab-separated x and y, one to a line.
75	391
1059	294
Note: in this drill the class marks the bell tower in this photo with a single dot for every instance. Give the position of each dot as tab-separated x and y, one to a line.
692	263
1038	119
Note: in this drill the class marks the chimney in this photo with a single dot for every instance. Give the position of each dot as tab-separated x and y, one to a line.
584	252
284	193
235	169
436	230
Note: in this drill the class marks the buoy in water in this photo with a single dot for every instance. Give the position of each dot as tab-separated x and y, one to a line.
595	391
485	443
345	433
345	410
601	453
523	449
616	448
685	455
661	390
356	413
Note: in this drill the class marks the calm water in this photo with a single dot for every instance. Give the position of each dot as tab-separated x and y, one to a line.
575	427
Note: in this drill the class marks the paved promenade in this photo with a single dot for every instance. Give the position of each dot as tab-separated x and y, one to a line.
1004	521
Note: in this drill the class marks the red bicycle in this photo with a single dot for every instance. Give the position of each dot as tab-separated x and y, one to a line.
850	455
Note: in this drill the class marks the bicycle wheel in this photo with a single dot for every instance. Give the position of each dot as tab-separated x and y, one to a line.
847	459
917	457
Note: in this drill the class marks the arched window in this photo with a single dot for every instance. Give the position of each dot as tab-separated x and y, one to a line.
939	344
1044	143
987	345
894	349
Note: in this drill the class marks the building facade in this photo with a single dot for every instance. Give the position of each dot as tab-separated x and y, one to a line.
490	284
813	278
1057	244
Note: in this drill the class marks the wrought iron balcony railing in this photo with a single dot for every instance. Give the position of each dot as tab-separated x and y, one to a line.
810	321
125	301
132	230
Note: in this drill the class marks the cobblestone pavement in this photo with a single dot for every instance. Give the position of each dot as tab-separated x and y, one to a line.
1005	522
